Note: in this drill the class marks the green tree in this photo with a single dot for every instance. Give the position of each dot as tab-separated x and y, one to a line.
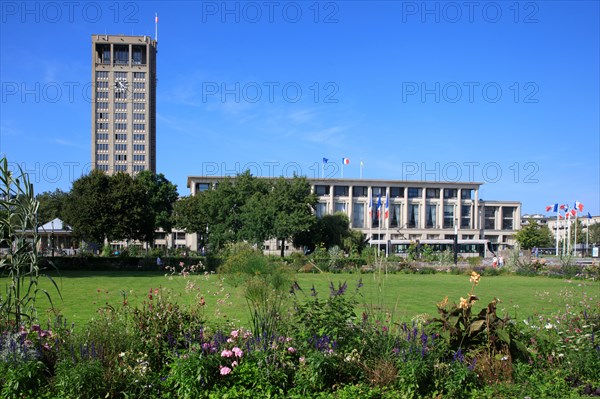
88	209
130	209
162	195
52	205
532	235
594	233
293	206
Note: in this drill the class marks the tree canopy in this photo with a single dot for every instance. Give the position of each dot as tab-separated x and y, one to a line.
119	207
533	235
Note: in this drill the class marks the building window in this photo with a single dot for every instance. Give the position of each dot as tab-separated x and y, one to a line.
359	191
120	116
201	187
103	168
121	106
139	116
339	207
139	137
138	168
358	215
413	216
139	85
432	193
120	147
341	191
102	85
120	126
139	157
120	95
101	115
321	190
101	74
139	126
490	218
431	216
139	147
139	75
121	54
414	192
321	209
102	157
101	126
121	168
508	213
121	75
101	136
102	94
395	218
448	216
466	193
139	55
396	192
102	105
465	216
139	106
378	191
450	193
101	147
139	96
120	157
121	137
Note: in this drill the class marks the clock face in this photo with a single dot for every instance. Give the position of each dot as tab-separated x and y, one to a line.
121	85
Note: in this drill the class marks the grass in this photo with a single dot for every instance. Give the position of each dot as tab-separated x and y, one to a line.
403	296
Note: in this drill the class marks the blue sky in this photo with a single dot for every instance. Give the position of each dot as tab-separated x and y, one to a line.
502	93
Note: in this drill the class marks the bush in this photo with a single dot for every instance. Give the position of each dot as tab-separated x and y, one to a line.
82	379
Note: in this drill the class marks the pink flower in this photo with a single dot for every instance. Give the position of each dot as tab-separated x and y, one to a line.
224	370
292	350
238	352
235	333
226	353
234	363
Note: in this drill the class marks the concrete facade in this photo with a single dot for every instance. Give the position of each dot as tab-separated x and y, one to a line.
424	211
123	103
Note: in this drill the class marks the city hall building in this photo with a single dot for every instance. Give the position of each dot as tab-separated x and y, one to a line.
123	103
426	212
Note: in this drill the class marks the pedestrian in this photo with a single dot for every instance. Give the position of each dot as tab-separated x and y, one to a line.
158	261
500	261
494	262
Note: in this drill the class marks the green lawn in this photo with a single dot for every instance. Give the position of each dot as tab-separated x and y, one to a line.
402	295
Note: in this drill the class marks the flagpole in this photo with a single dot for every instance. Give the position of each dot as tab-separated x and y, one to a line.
361	168
342	168
557	229
575	239
587	237
569	233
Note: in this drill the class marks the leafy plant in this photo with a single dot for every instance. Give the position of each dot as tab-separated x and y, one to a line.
19	238
464	330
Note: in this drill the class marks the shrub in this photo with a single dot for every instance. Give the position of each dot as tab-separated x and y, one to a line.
81	379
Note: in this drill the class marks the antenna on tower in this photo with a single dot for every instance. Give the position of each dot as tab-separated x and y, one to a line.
156	26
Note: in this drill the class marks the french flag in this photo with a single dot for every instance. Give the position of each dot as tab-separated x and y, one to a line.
579	206
573	212
387	205
379	206
553	208
345	161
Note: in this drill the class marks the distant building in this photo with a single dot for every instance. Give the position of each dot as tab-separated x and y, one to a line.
423	211
123	103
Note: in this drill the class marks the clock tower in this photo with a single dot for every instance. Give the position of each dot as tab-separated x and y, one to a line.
123	97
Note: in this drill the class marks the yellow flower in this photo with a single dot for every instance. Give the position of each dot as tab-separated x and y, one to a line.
443	303
464	304
475	278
